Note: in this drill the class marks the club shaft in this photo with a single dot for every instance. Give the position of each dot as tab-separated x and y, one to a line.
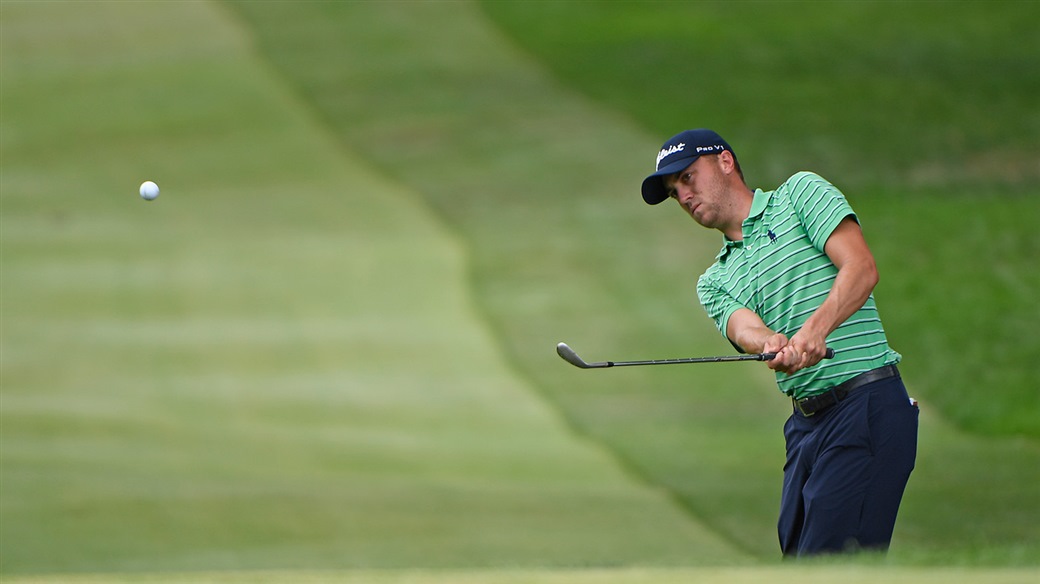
722	359
571	357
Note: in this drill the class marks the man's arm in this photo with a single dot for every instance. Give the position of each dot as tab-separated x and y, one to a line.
857	276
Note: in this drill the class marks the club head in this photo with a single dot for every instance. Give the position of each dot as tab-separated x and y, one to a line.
571	357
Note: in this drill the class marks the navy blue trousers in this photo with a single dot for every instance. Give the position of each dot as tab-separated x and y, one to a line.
846	470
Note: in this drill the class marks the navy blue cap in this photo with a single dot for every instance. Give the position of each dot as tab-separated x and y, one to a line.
677	153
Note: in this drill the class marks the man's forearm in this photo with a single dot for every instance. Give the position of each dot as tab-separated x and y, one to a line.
857	275
747	330
852	286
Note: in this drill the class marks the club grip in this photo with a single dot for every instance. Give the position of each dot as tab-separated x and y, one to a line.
770	356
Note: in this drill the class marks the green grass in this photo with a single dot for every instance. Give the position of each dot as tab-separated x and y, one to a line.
778	575
326	352
541	183
277	364
917	94
918	111
957	302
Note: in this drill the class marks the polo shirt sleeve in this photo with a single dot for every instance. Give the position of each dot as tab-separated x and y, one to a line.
819	205
719	304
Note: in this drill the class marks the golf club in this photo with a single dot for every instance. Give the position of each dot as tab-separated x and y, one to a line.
571	357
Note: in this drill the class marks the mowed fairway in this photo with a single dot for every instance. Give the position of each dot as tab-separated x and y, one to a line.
274	365
293	365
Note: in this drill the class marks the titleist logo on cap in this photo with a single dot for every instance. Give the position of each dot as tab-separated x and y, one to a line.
668	151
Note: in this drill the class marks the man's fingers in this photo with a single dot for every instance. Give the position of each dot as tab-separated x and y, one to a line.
787	360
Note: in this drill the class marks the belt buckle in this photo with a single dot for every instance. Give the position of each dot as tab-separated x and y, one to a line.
798	406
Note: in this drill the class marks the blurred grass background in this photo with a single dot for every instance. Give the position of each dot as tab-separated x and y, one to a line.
277	364
924	113
329	343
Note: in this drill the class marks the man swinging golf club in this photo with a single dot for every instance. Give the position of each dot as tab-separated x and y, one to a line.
795	277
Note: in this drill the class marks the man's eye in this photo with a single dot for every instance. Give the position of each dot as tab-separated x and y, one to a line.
685	178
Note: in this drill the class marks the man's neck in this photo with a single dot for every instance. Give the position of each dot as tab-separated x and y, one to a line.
743	197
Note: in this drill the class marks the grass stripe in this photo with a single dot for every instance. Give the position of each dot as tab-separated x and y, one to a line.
278	364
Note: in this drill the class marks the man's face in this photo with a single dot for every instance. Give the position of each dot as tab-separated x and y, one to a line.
700	189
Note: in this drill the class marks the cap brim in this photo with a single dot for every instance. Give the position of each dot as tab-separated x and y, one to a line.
653	189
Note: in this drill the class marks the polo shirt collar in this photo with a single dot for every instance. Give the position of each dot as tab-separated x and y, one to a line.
758	206
729	245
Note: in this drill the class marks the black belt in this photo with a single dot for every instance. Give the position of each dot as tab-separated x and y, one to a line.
813	405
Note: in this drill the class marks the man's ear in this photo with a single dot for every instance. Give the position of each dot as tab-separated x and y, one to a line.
727	163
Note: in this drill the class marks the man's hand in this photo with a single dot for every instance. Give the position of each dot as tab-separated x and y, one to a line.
802	350
799	352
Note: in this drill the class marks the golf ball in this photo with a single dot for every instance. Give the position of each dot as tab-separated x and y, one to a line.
149	190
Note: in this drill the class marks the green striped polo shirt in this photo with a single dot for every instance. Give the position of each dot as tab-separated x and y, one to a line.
780	271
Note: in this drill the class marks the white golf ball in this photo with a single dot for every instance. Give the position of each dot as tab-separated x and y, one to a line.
149	190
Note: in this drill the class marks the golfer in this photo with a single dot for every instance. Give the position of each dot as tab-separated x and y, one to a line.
795	277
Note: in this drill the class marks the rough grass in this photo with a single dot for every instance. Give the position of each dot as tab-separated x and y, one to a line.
911	95
918	111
